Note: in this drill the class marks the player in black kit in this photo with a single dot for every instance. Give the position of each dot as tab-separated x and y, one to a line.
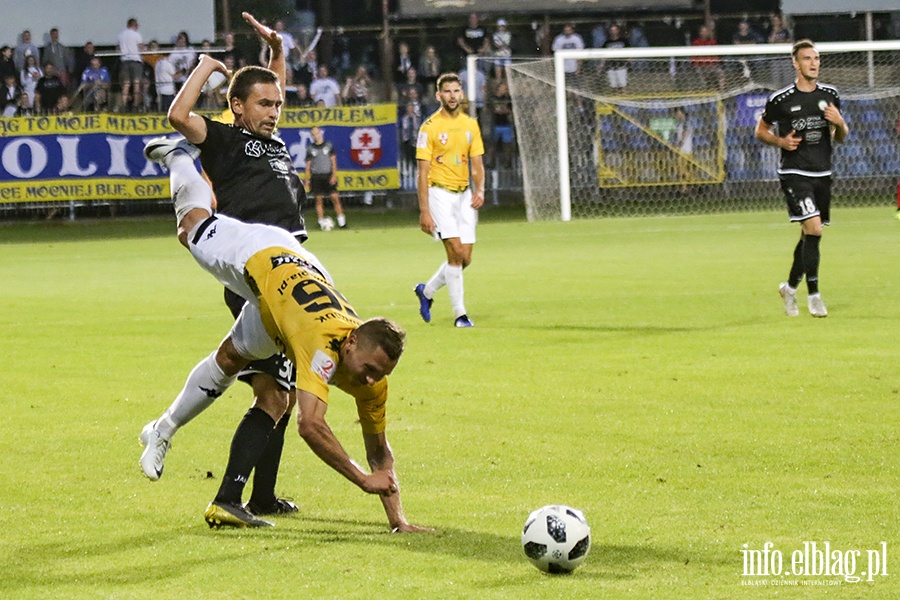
253	178
802	120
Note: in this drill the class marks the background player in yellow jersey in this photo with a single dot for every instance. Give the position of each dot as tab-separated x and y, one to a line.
291	307
448	147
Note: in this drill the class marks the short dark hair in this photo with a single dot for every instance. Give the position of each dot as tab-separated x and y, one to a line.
802	45
246	78
447	78
383	333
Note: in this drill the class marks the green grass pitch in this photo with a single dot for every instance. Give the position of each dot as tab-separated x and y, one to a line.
638	369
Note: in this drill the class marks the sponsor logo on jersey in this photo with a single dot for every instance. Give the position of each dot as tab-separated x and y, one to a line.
365	146
211	233
323	366
422	140
795	108
254	148
798	124
289	259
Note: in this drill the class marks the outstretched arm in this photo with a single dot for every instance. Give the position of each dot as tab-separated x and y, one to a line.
380	457
181	114
321	439
276	51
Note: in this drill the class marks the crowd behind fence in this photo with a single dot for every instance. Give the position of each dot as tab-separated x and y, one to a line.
143	76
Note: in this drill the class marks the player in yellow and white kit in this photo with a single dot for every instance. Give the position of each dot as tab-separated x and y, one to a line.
448	147
292	307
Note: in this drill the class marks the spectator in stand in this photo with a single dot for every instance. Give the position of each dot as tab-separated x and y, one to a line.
782	70
429	68
164	76
404	63
305	73
357	88
24	106
599	35
183	58
569	40
7	66
303	99
23	50
409	132
30	76
480	88
325	89
83	57
473	39
62	57
637	38
616	69
501	138
501	43
10	96
708	67
48	90
230	50
745	35
95	81
411	83
62	106
131	66
779	34
416	102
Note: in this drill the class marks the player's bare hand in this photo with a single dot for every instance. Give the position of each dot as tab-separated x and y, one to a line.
477	199
791	141
216	65
833	115
381	482
410	528
267	34
426	223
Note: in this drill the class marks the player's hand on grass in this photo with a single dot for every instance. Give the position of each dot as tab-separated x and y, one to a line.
410	528
791	141
381	482
267	34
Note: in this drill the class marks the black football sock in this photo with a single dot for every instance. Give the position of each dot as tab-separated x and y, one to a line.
796	275
248	443
811	262
266	472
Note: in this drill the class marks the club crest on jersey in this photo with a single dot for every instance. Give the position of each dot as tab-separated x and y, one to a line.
254	148
444	138
323	365
365	146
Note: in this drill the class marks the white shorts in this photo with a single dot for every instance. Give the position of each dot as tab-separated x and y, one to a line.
222	245
453	214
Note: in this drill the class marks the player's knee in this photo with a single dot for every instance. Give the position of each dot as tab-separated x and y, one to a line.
228	359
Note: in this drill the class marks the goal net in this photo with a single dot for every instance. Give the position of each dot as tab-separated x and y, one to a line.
671	130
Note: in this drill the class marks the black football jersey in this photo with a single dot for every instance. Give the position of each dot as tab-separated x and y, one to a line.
253	177
788	110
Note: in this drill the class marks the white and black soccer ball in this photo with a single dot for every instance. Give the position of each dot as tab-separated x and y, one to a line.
556	538
326	223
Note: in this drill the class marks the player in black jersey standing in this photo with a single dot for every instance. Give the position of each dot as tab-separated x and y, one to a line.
253	178
802	120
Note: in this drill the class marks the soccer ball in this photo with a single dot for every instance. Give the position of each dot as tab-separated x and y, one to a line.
556	538
326	224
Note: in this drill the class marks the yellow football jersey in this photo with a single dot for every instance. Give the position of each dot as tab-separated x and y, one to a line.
309	321
448	142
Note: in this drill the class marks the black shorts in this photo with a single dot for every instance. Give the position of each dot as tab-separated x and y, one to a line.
807	197
277	365
320	185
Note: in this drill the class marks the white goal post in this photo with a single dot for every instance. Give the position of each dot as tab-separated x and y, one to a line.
663	79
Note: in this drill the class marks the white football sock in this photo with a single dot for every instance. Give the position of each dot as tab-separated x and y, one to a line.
454	277
205	383
189	189
342	220
436	282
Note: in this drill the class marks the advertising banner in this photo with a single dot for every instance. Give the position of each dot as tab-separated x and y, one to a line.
100	156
